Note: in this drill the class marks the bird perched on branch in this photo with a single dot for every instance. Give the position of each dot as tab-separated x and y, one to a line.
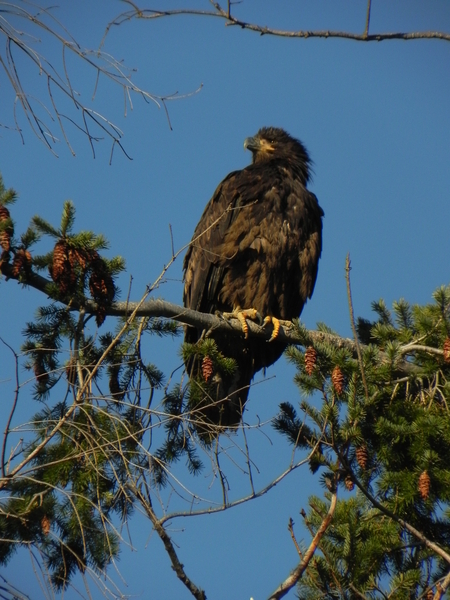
254	253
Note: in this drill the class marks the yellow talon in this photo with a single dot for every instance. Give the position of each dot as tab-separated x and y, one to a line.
243	323
276	326
242	316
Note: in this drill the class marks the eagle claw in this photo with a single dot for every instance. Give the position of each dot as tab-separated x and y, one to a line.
242	316
276	326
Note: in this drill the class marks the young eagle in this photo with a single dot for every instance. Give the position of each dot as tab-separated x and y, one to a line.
256	246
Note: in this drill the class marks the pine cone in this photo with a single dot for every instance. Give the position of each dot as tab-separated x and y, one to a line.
349	483
424	485
78	257
5	234
45	524
4	260
207	368
61	270
101	286
21	262
446	349
310	360
337	379
362	457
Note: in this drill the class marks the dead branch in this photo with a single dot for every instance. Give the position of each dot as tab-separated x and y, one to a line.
296	574
232	20
37	21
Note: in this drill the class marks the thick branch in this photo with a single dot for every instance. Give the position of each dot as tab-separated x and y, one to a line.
288	333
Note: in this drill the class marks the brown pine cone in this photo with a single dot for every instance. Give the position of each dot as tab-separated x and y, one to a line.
5	234
61	270
362	457
349	483
207	368
45	524
21	262
424	485
78	257
337	379
40	373
71	371
114	384
102	288
310	360
446	349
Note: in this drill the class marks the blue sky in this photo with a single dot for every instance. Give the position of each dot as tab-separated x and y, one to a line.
376	121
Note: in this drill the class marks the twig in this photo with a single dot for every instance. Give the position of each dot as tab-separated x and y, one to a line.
177	566
291	531
366	30
296	574
14	406
352	322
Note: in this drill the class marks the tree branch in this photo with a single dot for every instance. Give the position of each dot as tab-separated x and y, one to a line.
177	566
221	13
290	333
295	576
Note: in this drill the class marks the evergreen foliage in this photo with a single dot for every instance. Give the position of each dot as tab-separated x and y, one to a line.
389	435
111	430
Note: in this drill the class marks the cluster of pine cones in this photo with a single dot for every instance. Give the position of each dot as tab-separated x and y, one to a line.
21	258
67	264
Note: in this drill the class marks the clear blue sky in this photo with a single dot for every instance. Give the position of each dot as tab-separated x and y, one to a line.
376	120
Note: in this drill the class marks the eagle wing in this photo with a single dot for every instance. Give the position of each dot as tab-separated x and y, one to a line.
257	245
204	262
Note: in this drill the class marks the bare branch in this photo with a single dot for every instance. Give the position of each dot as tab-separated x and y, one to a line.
231	20
103	64
177	566
13	408
295	576
352	322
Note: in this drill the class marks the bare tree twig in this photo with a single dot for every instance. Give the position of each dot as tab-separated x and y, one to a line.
352	322
295	576
13	408
177	566
366	30
105	65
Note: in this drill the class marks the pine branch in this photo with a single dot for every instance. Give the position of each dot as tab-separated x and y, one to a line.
288	333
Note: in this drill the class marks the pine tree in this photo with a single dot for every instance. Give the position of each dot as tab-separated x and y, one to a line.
387	431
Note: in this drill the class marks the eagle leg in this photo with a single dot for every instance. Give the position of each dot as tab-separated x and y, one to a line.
276	326
242	316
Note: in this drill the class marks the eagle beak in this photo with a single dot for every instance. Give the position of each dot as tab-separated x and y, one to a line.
252	143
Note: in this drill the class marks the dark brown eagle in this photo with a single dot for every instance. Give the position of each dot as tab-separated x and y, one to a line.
256	246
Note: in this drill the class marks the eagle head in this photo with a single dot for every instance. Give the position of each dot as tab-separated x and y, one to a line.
273	143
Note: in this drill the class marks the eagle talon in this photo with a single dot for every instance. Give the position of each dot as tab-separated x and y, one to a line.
276	326
242	316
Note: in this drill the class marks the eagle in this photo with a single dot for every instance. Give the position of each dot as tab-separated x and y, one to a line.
254	254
